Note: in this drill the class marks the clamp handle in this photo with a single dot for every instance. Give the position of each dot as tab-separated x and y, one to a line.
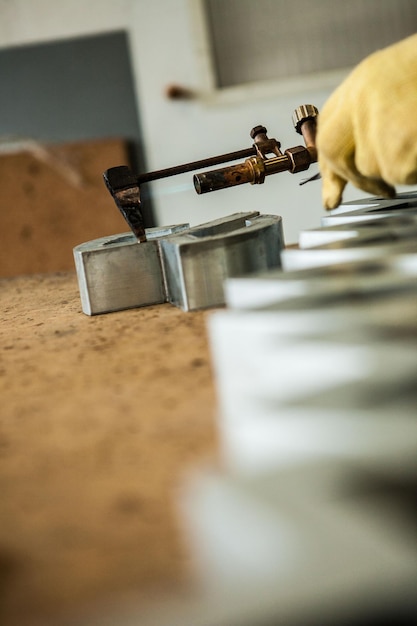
305	123
256	168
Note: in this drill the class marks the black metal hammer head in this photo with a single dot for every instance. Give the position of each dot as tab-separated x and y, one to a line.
124	188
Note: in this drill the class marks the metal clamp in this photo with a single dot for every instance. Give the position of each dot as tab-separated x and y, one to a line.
178	264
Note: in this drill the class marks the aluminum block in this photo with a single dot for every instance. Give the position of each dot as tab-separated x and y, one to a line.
116	273
182	265
199	260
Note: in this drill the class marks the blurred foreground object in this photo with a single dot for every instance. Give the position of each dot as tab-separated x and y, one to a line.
309	518
367	133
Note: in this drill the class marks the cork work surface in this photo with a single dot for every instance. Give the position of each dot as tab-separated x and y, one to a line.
100	418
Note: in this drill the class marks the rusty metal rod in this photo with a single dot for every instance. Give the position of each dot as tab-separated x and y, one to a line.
195	165
253	171
222	178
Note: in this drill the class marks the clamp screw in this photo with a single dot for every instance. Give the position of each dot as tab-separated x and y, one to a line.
257	130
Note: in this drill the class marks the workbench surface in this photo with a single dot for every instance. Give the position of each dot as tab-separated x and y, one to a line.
101	418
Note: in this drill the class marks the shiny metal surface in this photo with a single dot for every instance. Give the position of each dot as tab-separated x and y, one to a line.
393	228
199	260
182	265
372	228
372	208
343	281
297	259
116	273
321	361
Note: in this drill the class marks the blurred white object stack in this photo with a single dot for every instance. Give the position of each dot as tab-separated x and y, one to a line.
311	516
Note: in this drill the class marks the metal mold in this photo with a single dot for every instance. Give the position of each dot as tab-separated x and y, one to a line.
182	265
116	273
199	260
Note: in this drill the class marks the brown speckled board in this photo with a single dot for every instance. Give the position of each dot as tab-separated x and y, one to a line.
52	198
100	417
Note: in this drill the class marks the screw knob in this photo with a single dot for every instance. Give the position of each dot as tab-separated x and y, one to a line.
302	114
257	130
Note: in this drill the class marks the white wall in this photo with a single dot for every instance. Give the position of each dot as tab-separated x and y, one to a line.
167	48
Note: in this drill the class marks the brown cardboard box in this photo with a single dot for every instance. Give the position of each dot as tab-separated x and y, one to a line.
52	198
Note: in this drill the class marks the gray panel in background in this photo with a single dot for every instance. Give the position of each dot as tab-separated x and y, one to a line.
275	39
72	90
